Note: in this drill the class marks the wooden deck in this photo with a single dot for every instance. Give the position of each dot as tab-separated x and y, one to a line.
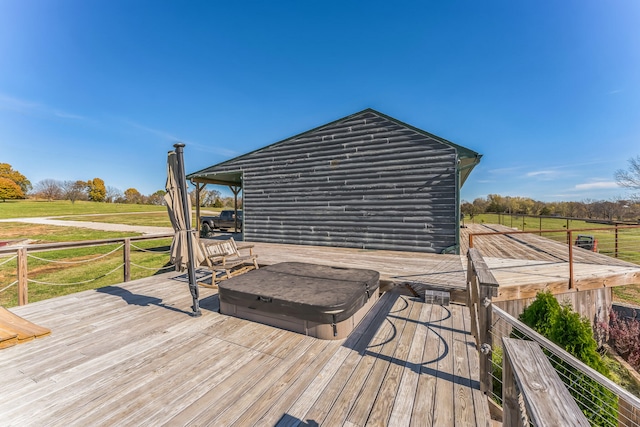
524	264
131	355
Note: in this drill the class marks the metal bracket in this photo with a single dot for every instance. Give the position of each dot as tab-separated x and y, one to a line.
485	349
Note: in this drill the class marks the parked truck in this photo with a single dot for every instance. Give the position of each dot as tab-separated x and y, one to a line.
225	221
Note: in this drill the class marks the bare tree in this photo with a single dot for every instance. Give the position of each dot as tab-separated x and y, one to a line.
49	189
630	178
113	195
156	198
208	197
74	190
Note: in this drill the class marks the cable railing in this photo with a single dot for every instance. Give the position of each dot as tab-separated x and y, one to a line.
584	253
594	396
103	264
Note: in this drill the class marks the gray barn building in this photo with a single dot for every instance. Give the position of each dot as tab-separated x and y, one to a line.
365	181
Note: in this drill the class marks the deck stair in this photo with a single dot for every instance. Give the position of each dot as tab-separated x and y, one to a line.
15	329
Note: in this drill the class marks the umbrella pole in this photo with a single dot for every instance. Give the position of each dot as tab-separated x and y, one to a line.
193	286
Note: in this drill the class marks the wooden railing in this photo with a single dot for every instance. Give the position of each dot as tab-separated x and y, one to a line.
23	251
490	325
481	287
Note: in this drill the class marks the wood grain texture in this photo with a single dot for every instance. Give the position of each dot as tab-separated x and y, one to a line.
132	354
365	181
546	398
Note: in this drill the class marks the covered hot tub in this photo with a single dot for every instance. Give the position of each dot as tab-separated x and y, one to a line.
317	300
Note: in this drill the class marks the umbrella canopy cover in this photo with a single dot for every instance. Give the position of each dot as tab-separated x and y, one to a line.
173	199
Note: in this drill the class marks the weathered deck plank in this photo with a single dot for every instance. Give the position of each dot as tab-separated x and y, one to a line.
525	264
383	405
153	363
403	404
444	396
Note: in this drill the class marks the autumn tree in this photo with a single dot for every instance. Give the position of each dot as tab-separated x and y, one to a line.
6	171
156	198
131	195
74	190
97	190
49	189
496	204
10	190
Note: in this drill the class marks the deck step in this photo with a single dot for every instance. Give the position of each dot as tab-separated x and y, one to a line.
15	330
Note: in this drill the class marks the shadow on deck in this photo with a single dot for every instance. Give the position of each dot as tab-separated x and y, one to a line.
131	354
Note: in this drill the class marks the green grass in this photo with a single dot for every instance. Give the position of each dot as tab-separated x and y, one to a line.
53	234
532	223
621	376
35	208
97	271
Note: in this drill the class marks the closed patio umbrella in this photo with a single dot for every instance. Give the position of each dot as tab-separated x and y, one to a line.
185	253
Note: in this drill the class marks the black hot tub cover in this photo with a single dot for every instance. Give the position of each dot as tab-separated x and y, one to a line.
311	292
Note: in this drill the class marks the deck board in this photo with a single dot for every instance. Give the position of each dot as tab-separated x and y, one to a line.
524	264
154	364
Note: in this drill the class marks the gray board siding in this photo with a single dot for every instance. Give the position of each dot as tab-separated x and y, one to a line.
364	182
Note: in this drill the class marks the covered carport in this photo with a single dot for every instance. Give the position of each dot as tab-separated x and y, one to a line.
233	180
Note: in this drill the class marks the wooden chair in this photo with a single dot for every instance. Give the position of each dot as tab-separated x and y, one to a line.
223	256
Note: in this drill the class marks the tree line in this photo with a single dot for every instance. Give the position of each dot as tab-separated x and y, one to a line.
14	185
610	210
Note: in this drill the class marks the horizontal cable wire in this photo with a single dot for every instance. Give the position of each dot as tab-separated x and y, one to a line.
153	268
8	259
149	250
76	262
7	287
570	375
77	283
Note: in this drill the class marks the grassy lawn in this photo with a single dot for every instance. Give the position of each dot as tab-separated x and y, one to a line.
67	271
34	208
52	234
91	273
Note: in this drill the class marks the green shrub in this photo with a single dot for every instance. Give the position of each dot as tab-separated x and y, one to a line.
568	330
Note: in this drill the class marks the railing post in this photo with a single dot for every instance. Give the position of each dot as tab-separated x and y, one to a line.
23	283
510	405
127	259
485	316
570	238
616	250
470	240
482	287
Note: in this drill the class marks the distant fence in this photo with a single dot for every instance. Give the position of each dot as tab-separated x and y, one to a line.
597	397
618	241
21	254
532	222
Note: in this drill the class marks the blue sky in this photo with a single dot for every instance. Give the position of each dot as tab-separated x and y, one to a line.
547	91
